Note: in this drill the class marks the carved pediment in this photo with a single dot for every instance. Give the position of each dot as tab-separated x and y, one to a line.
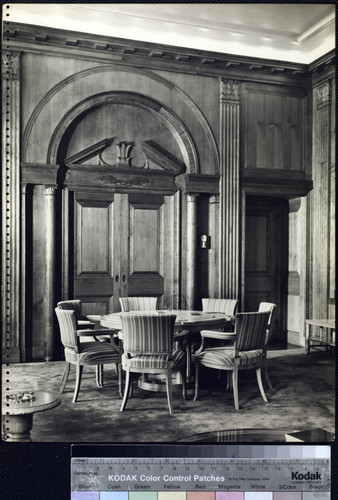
124	166
155	156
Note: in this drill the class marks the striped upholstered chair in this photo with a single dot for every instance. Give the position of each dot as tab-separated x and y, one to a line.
271	308
225	306
246	353
87	353
76	306
148	349
138	303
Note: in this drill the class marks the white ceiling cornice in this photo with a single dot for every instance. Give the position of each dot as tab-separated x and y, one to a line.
283	32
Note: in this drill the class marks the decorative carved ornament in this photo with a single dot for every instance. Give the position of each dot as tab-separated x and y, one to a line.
229	91
323	95
10	65
151	150
160	167
123	181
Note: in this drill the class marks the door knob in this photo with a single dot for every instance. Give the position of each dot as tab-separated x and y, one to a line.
117	278
124	278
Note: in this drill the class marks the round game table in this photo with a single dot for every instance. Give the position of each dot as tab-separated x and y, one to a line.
192	322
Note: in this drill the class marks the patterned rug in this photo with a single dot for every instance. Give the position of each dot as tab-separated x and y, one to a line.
302	397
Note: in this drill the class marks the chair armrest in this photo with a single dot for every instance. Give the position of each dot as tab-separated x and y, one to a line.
181	335
94	317
215	334
85	323
91	333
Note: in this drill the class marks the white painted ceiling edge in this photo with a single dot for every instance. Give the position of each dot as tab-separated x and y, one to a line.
299	33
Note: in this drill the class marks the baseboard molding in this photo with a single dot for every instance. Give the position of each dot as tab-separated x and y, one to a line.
293	338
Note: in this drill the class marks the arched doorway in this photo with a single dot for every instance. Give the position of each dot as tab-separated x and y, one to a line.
120	206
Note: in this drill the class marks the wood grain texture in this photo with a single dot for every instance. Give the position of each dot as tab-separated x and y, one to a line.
322	149
274	128
266	258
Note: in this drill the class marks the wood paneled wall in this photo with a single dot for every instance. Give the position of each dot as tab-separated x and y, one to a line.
322	200
275	133
69	97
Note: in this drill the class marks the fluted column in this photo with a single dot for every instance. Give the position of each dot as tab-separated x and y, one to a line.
191	249
50	272
230	203
321	200
11	206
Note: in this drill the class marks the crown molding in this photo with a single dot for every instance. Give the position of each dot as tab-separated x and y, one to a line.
53	41
221	30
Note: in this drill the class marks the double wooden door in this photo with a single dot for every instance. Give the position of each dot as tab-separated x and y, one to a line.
122	245
266	258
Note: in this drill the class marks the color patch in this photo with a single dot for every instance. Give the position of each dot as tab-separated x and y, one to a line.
318	495
197	495
168	495
287	496
229	495
143	495
85	495
114	495
258	495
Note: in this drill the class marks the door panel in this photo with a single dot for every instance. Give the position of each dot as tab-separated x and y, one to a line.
146	242
123	246
93	281
266	237
145	236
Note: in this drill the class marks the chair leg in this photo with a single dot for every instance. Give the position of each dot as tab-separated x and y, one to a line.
266	375
126	391
169	394
229	381
188	351
196	379
260	384
119	372
79	369
184	384
99	375
235	387
65	377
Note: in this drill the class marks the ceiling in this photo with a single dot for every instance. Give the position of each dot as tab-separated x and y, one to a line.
294	32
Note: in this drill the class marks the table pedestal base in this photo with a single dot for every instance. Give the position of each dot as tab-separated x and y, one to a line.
18	427
157	383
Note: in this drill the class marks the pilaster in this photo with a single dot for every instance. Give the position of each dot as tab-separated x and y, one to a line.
321	200
11	206
229	198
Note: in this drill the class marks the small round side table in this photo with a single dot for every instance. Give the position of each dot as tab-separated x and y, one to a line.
18	416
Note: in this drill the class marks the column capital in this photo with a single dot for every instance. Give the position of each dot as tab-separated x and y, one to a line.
10	65
192	197
323	95
49	190
229	90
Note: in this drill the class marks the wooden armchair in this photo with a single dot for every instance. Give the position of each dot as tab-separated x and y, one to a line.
87	353
246	353
148	349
